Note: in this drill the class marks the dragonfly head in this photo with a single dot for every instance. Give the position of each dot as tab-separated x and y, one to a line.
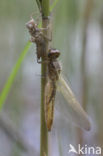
53	53
31	25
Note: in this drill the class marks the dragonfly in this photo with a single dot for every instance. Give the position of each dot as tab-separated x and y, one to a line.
54	70
56	81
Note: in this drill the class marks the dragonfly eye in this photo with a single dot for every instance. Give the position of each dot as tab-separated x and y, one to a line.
53	53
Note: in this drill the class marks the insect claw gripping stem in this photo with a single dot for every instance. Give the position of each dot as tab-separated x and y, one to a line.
39	61
47	18
46	61
48	39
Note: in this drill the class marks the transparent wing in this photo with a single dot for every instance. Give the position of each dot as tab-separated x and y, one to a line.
71	108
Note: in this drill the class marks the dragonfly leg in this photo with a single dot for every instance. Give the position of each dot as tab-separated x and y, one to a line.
39	61
46	37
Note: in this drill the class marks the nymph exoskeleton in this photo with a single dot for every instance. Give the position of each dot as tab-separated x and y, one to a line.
37	37
53	75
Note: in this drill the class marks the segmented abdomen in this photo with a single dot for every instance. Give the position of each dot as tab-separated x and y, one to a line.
49	104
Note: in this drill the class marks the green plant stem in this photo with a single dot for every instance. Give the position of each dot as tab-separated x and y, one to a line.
12	76
44	132
45	8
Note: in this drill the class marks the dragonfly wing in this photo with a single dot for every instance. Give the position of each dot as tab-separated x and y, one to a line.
76	112
49	105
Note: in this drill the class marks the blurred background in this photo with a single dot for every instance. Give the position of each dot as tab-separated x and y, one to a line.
78	34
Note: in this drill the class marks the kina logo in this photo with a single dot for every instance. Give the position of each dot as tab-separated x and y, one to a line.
96	150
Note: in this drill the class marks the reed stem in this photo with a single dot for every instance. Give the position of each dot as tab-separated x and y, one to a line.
43	131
